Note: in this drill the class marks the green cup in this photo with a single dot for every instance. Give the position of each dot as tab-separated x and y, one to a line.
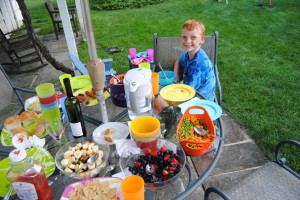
45	90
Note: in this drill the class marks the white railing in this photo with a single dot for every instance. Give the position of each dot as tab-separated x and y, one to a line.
10	16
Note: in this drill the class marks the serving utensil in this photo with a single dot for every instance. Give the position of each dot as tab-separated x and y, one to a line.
116	78
8	194
91	160
162	70
202	132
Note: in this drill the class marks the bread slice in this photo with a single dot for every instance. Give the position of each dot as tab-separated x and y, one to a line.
28	117
20	130
40	127
13	122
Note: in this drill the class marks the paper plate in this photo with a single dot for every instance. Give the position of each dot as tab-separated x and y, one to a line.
92	100
35	99
177	92
37	153
114	183
121	132
80	81
6	137
213	109
143	54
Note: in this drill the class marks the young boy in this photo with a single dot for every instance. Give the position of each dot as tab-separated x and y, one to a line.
198	71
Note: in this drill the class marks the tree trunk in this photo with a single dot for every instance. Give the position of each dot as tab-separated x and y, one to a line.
43	49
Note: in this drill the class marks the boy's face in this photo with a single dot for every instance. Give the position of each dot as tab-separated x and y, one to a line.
191	40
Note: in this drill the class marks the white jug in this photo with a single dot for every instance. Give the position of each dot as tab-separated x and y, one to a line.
138	92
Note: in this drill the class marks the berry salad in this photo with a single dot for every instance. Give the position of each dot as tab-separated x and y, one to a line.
156	165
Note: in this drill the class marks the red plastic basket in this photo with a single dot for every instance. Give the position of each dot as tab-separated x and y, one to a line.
205	145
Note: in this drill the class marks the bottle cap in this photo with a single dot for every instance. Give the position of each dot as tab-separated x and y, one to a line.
17	155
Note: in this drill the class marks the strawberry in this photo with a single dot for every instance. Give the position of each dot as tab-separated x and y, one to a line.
171	168
138	164
166	157
155	165
163	149
154	153
174	161
165	173
147	151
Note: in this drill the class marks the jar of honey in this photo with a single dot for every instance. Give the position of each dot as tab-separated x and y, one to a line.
27	177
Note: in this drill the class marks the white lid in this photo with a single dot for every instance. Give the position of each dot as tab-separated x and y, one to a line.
17	155
137	77
20	141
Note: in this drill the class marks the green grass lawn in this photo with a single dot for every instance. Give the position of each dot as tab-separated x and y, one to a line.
259	55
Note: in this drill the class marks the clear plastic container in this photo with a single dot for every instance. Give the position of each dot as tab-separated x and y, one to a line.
27	177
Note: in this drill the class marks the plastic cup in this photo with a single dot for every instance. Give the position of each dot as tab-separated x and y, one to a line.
132	188
48	100
45	90
132	52
145	65
150	53
145	131
155	83
61	79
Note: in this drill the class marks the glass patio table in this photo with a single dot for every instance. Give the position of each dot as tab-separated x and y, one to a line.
196	171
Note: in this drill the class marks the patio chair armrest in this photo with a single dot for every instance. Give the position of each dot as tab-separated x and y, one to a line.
217	191
54	12
24	90
69	7
14	31
281	160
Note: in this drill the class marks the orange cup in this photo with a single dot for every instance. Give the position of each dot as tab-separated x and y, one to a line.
132	188
155	82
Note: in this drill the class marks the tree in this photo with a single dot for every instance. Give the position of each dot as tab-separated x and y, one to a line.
43	49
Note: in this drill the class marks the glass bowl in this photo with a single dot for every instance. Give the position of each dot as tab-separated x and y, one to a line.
130	156
69	147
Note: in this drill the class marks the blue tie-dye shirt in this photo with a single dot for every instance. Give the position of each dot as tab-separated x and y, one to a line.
199	73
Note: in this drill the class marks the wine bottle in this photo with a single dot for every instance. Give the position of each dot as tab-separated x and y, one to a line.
73	109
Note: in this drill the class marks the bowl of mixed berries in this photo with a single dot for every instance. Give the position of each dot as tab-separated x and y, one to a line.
158	166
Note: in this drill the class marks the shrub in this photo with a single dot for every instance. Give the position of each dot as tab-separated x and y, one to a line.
121	4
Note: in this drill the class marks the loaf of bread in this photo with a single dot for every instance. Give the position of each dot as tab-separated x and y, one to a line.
28	117
20	130
40	127
13	122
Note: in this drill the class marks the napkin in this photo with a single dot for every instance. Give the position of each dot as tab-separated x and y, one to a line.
127	145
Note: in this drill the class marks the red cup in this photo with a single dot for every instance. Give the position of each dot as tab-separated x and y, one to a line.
48	100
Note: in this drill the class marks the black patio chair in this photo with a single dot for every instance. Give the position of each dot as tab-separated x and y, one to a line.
274	180
21	50
168	49
11	102
56	20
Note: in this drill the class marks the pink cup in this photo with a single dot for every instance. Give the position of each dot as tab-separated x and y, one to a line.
132	52
150	53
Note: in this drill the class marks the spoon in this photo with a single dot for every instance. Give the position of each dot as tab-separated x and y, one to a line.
8	194
91	160
108	169
162	70
202	132
150	170
116	78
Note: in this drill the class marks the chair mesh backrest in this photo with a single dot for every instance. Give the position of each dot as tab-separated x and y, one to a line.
6	91
169	49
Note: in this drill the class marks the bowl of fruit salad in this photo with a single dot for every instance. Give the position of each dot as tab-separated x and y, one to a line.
74	154
158	167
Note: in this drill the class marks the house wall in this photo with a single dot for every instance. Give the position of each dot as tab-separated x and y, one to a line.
10	16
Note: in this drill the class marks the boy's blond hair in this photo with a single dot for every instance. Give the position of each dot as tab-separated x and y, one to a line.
194	24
